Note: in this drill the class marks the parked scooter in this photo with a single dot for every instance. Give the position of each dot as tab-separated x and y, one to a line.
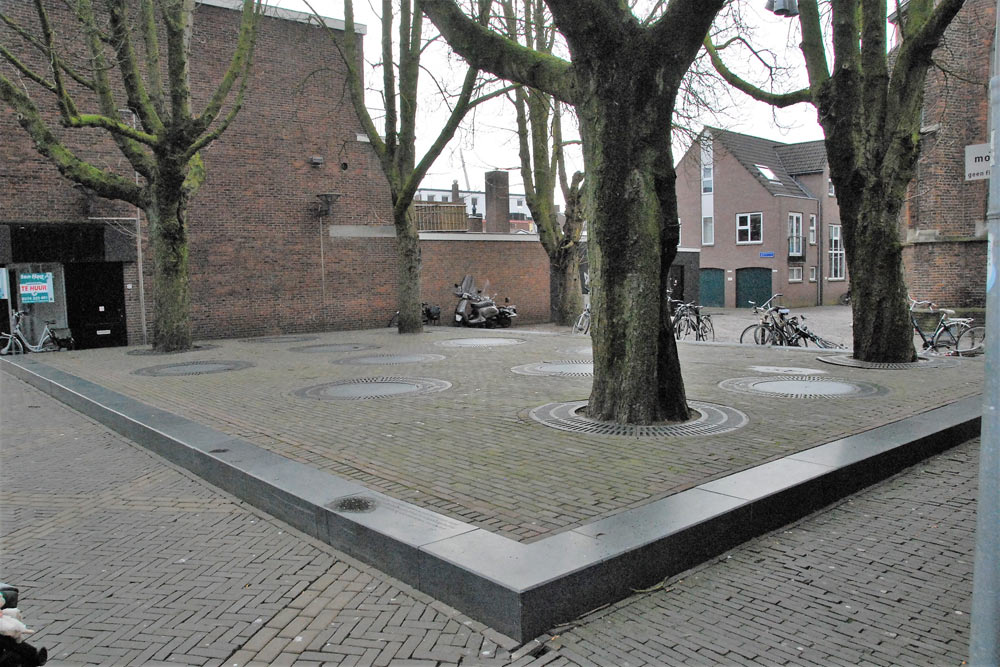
474	309
430	314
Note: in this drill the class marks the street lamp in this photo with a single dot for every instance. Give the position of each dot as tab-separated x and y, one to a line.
783	7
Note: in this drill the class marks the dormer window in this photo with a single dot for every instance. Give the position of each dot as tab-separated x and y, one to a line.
766	171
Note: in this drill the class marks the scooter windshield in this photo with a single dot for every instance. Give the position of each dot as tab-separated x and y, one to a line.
468	286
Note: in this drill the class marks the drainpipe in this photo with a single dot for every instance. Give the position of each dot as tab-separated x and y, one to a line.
984	638
819	247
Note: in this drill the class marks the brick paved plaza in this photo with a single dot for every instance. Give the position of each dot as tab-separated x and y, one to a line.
125	559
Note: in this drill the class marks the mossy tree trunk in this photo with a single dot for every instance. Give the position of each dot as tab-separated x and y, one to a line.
172	293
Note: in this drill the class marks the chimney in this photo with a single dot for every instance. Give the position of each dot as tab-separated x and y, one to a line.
455	197
497	203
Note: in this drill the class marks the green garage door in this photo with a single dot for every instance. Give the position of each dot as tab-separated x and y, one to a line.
713	287
752	284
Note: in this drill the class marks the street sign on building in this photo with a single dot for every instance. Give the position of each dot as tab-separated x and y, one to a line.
978	159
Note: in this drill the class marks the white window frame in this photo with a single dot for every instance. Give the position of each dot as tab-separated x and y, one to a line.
748	228
767	172
812	229
837	255
708	223
707	179
812	274
795	248
795	274
679	229
830	190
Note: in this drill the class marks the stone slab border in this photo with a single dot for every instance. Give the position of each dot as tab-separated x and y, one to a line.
521	589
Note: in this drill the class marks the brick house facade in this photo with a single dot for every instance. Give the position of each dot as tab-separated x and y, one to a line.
765	219
943	221
262	260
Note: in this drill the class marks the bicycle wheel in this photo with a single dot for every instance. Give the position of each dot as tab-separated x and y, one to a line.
11	345
582	325
756	334
682	328
972	341
947	337
707	330
394	320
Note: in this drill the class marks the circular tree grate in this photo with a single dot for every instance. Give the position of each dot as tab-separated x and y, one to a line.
280	339
711	419
390	359
150	352
803	386
369	388
322	348
353	504
786	370
478	342
192	368
568	368
921	362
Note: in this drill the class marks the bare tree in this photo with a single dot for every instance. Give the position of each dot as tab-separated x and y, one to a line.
164	150
623	79
869	105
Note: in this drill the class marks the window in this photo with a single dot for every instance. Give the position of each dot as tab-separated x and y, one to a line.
768	174
708	231
795	236
475	201
795	274
812	230
430	197
836	254
830	190
520	203
749	228
812	274
706	178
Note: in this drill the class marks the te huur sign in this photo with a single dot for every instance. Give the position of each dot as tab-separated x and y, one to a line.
978	159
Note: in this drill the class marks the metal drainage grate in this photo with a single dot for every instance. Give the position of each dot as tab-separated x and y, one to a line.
921	362
333	347
786	370
479	342
568	368
712	419
280	339
192	368
150	352
368	388
803	386
354	504
390	359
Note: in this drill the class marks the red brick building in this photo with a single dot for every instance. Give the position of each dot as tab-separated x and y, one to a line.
765	218
943	222
262	259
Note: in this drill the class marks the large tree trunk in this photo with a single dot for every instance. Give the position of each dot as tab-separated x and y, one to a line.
633	239
565	293
408	253
171	288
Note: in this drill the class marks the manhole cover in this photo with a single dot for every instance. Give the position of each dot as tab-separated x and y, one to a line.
390	359
279	339
711	419
192	368
333	347
571	368
921	362
478	342
801	386
148	351
353	504
377	387
786	370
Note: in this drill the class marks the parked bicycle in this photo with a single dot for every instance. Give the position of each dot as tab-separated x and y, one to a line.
971	342
777	326
582	324
16	342
688	320
944	338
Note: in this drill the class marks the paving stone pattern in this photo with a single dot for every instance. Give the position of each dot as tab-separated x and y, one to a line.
473	453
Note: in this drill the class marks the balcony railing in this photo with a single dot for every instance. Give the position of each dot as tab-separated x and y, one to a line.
441	217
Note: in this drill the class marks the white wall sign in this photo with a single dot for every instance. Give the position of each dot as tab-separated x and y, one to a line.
978	159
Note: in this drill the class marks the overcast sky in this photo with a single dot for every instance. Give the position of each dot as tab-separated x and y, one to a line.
487	142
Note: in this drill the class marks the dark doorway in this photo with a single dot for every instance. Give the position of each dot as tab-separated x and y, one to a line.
752	284
95	304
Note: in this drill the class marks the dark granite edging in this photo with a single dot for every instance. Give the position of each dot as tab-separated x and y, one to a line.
521	589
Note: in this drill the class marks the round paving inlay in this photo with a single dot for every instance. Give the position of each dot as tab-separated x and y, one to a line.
280	339
390	359
786	370
803	386
368	388
478	342
333	347
565	368
711	419
921	362
148	351
192	368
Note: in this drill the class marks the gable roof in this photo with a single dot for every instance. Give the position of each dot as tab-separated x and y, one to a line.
783	160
